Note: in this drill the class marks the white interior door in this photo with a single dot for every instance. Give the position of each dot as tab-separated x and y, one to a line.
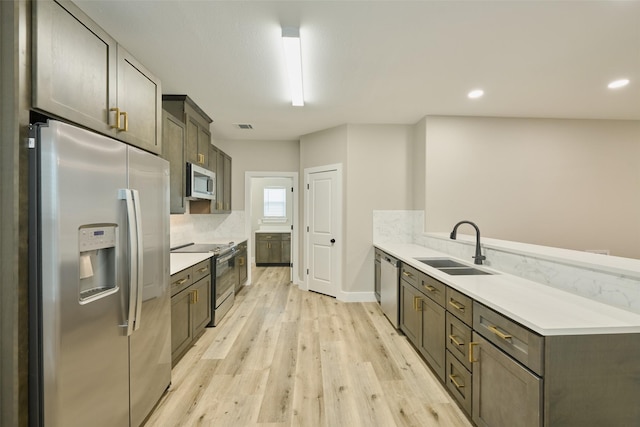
324	213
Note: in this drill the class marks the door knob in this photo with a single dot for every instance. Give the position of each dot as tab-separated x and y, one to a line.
333	240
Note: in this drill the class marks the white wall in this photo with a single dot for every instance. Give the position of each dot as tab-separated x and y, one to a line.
566	183
377	170
378	177
257	156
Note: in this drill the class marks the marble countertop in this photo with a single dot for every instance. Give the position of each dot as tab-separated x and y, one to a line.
543	309
180	261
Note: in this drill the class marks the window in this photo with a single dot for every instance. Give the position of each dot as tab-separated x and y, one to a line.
275	202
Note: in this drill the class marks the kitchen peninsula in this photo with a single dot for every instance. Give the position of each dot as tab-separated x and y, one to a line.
555	357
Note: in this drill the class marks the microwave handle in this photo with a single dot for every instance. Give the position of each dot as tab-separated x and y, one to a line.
210	185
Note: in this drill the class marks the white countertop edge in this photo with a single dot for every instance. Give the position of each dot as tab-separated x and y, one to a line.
627	267
286	230
180	261
541	308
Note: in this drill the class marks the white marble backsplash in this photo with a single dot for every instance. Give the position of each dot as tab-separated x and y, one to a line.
206	228
592	281
395	226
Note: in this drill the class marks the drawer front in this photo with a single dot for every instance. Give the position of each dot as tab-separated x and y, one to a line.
411	275
458	337
181	280
458	379
520	343
460	305
201	269
267	236
434	289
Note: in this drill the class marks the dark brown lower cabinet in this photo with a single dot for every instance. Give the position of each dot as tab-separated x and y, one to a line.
190	307
505	393
432	344
410	316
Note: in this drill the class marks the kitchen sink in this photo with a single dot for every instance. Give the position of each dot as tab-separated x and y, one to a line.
464	271
452	267
441	262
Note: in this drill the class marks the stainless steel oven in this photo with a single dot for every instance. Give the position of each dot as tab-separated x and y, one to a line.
226	271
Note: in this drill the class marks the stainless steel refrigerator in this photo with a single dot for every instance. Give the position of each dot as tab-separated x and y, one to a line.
100	306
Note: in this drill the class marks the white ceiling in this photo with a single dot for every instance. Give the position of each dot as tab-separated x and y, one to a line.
384	61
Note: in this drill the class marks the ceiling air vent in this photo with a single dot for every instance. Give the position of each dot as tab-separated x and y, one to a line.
243	126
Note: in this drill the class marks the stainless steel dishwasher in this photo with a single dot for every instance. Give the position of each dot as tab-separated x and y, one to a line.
389	274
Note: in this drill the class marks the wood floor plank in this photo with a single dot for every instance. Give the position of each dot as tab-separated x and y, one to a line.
276	405
286	357
308	394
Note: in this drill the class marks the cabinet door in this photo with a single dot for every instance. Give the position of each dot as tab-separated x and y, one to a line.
505	393
181	326
410	316
74	66
204	141
262	252
173	135
226	195
242	266
201	304
139	103
433	329
192	140
285	255
275	252
220	177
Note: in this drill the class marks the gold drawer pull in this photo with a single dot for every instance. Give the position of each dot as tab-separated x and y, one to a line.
203	269
406	273
499	333
417	303
117	111
456	304
241	261
454	339
181	281
430	288
455	383
471	345
126	121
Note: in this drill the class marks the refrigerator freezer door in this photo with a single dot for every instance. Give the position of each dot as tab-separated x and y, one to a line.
85	365
150	347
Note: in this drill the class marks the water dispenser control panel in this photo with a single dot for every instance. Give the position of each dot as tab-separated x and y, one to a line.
96	261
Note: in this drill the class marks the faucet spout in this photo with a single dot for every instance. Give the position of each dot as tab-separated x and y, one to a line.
478	257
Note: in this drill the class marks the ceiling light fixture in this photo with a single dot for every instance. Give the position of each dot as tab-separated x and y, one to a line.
477	93
616	84
293	58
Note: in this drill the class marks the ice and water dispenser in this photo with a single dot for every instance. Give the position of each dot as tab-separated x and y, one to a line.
97	261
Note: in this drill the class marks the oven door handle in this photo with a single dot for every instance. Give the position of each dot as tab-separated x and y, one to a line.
224	259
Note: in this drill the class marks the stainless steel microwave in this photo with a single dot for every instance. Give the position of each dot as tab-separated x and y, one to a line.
201	183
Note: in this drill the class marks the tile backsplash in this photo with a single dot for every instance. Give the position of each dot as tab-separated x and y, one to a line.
206	228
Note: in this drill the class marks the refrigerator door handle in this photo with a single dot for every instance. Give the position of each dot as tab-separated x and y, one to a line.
125	194
139	258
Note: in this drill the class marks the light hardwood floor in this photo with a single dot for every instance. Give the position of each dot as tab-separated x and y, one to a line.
285	357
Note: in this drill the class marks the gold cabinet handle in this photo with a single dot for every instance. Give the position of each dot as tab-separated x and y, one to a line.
241	261
197	296
455	383
117	111
417	303
203	269
454	339
499	333
430	288
126	121
456	304
471	345
406	273
181	281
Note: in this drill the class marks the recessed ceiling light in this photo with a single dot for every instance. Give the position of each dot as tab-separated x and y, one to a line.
616	84
476	93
